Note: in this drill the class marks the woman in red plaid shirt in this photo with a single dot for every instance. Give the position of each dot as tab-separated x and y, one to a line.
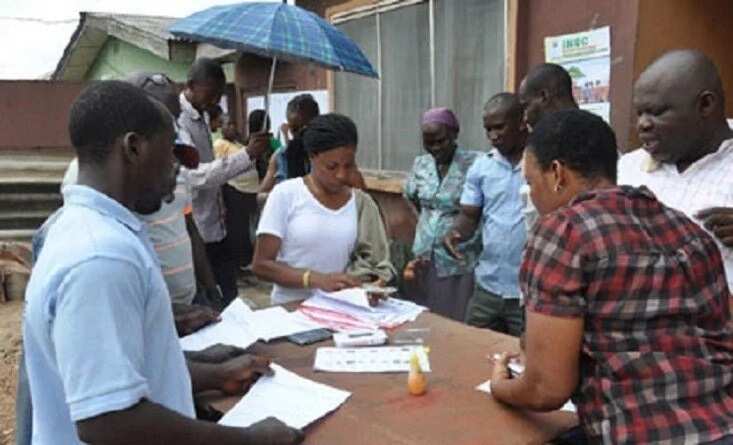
627	301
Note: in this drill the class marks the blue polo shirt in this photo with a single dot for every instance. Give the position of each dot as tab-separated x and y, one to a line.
493	184
98	328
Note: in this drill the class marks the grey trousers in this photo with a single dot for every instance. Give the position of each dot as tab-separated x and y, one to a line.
491	311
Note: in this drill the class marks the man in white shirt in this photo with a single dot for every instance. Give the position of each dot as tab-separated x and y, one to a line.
687	156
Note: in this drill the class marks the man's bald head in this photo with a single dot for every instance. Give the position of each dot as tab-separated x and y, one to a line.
546	88
551	77
680	104
684	72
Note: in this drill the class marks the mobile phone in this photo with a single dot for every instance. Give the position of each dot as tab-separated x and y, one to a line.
309	337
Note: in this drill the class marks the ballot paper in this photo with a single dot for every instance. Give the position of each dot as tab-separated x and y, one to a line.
342	316
276	322
290	398
370	359
241	326
486	387
355	296
231	330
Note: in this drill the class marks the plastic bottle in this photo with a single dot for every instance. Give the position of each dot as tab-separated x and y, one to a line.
416	381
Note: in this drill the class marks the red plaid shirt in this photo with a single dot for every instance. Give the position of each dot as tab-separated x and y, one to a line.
657	354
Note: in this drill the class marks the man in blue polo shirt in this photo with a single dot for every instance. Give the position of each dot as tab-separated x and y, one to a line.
103	358
491	195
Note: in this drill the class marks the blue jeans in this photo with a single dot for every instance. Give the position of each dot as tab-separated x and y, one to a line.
23	406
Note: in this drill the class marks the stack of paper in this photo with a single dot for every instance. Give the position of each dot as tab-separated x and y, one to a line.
241	326
276	322
342	311
292	399
376	359
231	330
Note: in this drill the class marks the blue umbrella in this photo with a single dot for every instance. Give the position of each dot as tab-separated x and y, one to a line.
275	30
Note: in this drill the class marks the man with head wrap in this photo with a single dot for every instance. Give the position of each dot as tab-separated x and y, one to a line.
445	284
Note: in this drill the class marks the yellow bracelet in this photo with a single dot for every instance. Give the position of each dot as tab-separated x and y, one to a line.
307	279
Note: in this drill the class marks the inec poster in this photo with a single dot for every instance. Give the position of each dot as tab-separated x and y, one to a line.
587	57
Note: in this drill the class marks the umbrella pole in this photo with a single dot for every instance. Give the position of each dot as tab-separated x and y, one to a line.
269	91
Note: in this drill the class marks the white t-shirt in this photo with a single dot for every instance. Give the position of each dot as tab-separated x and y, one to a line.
708	182
313	236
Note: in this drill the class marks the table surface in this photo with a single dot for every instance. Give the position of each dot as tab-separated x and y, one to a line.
381	411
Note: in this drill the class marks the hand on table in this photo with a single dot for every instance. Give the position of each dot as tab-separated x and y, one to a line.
236	375
718	220
501	367
271	431
333	282
374	298
218	353
189	318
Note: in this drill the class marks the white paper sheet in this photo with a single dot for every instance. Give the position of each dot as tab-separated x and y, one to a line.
231	330
486	387
241	326
290	398
514	365
370	359
276	322
355	296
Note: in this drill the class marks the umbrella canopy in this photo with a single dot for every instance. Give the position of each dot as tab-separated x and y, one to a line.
275	30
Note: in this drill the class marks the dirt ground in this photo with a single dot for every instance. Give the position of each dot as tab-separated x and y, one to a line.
10	344
10	340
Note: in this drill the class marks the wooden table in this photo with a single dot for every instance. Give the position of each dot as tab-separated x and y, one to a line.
380	410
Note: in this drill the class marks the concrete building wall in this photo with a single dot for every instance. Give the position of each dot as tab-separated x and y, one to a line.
119	58
707	26
538	19
35	114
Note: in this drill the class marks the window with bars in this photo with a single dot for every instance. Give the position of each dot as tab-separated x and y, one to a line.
453	57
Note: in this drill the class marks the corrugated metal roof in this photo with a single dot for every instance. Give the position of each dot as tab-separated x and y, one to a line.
144	31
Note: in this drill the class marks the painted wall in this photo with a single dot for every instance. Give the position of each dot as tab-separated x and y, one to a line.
538	19
35	114
117	59
707	26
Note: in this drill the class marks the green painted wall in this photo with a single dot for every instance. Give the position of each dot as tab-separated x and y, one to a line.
118	58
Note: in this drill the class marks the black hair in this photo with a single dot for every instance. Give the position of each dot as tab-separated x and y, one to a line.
107	110
577	138
549	76
206	70
304	104
215	111
508	102
255	119
329	131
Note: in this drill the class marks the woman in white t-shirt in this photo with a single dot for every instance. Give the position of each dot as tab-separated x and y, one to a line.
308	228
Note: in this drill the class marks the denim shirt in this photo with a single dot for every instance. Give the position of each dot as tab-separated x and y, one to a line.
494	184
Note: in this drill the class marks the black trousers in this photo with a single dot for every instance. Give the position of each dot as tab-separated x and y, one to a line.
240	209
224	265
